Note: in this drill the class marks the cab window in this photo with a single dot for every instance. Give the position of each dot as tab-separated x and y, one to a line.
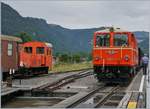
120	40
28	49
40	50
103	40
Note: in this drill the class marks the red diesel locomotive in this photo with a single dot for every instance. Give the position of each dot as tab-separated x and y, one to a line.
115	55
35	58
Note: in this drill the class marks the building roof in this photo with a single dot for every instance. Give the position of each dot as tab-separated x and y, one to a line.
108	29
10	38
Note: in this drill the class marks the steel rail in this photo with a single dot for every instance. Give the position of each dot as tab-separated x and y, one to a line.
67	81
85	97
62	81
106	97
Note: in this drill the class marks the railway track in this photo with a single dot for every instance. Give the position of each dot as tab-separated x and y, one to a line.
95	95
61	82
79	102
84	98
106	97
49	74
57	73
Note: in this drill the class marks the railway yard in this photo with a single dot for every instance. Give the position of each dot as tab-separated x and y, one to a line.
73	90
77	62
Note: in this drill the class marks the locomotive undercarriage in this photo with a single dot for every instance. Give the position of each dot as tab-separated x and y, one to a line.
29	72
114	74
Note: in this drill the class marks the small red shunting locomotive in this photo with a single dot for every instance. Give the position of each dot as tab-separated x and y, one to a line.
35	58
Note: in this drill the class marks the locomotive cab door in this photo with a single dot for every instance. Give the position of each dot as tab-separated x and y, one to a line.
43	60
41	52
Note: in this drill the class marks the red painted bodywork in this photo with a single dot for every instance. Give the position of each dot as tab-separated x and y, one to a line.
102	55
34	60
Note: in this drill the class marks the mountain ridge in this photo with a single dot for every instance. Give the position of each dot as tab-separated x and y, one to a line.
63	39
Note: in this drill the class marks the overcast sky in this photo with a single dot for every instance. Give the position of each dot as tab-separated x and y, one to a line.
133	15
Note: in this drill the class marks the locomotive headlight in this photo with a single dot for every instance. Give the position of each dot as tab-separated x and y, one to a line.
21	63
97	58
126	57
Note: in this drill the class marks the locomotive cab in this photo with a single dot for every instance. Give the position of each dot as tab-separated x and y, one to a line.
115	54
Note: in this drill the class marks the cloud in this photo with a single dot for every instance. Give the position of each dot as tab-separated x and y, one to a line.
132	15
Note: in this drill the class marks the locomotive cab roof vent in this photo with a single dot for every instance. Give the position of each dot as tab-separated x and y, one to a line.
112	29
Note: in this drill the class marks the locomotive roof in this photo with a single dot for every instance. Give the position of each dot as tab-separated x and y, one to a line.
114	30
10	38
49	44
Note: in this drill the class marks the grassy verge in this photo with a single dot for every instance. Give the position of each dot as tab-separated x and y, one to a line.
69	67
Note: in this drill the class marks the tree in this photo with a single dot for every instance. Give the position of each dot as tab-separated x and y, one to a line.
76	58
89	58
24	36
64	58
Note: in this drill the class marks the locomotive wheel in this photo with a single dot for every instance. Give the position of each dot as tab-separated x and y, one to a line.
99	78
96	72
133	71
30	73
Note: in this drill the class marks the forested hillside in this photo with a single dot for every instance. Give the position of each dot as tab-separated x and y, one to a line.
63	39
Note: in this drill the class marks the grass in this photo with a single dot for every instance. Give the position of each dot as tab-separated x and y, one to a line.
62	67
